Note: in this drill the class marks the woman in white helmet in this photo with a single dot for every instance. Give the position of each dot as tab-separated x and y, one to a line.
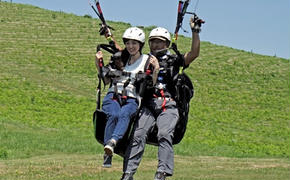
119	114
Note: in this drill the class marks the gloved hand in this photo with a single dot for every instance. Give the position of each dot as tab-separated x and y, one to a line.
105	30
195	23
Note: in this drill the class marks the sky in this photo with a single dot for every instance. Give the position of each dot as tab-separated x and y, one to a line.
258	26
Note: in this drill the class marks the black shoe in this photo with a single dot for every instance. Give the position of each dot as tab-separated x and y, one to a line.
127	176
109	148
107	161
160	176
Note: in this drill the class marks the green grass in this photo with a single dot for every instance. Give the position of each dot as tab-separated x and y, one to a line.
85	167
47	97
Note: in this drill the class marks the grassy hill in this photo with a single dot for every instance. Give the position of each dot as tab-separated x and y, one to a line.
48	79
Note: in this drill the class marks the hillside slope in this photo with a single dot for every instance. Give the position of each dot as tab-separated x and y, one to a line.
48	78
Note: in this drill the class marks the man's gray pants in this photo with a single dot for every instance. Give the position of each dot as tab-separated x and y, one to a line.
166	122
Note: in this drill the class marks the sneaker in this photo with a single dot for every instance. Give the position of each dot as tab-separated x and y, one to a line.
107	161
127	176
160	176
109	148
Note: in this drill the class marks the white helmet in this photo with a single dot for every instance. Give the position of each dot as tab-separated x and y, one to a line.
134	33
160	33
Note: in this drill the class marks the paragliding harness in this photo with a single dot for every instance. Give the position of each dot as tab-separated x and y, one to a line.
99	117
141	80
111	72
183	90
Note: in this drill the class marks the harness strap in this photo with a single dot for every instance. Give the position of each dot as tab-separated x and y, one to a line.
124	92
164	99
115	95
177	52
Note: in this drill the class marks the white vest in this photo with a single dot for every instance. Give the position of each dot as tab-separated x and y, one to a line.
137	66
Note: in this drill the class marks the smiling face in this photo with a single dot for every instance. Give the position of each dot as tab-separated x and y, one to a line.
157	44
132	47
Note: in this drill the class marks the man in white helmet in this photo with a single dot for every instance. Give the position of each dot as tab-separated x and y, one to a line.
160	109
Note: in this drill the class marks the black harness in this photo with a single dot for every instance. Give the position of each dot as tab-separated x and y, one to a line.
176	86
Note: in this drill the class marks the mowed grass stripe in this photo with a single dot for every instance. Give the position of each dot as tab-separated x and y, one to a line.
66	166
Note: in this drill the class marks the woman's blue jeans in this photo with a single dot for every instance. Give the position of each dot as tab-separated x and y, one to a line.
118	117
